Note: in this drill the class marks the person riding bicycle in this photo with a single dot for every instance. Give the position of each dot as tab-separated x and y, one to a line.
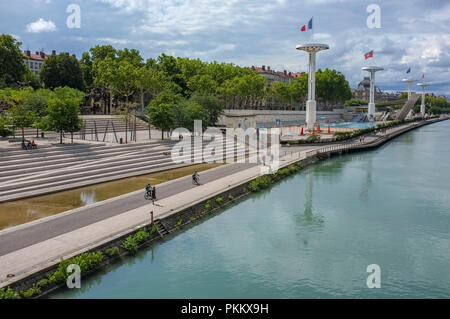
148	189
195	177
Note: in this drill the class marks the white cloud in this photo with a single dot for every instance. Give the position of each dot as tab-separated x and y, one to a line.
41	26
192	16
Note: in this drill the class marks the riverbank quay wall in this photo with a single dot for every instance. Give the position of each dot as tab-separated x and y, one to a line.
179	212
273	118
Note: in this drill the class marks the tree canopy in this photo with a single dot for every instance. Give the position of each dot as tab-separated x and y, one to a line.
62	70
12	68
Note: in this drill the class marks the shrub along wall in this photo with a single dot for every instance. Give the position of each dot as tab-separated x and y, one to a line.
342	136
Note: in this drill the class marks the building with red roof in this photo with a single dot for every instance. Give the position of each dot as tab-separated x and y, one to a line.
34	61
276	76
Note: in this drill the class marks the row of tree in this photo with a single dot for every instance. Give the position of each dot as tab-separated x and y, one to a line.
54	110
118	76
179	89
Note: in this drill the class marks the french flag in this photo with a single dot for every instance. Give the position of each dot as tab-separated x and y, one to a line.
368	55
307	27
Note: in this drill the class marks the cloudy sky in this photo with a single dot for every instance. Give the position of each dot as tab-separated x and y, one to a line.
413	33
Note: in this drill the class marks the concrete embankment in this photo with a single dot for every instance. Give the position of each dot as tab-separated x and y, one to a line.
34	262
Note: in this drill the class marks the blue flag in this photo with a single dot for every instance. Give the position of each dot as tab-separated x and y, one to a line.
409	70
310	24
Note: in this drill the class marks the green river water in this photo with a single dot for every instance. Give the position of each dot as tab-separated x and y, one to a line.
312	235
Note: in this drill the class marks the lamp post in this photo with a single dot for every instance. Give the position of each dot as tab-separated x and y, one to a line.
311	49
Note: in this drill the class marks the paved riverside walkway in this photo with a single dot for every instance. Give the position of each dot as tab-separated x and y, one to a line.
28	248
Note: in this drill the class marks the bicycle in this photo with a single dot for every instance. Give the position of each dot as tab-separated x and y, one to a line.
195	181
148	195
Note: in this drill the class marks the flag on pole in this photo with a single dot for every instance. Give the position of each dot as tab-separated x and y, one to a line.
368	55
308	26
409	70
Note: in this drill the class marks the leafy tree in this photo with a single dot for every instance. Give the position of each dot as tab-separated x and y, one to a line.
194	111
4	130
298	89
123	82
131	56
12	68
37	103
202	84
149	80
63	110
62	70
281	92
104	70
331	86
213	106
20	114
31	79
161	116
86	65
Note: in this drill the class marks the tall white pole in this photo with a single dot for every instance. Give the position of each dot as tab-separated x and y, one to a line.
422	105
371	109
409	90
371	106
311	107
410	82
312	49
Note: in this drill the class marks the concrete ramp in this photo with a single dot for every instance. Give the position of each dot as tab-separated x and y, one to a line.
401	115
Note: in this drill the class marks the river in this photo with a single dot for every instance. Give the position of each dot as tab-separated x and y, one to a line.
312	235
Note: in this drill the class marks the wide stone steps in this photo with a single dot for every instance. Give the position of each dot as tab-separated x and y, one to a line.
91	179
34	190
65	166
89	174
26	174
75	155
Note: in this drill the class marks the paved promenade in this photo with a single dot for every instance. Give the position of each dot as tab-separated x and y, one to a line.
34	246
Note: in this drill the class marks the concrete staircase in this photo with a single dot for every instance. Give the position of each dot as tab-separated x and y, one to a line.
409	104
60	167
99	124
92	124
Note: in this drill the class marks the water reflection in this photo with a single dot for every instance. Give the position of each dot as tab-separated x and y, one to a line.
88	197
307	217
367	181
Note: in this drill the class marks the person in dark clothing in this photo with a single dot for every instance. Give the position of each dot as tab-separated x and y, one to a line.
153	194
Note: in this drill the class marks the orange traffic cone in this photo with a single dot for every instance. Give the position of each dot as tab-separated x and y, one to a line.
318	127
314	131
329	131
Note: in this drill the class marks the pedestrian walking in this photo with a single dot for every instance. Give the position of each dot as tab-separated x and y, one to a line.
153	194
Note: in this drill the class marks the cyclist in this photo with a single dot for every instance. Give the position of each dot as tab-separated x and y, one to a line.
195	177
148	190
